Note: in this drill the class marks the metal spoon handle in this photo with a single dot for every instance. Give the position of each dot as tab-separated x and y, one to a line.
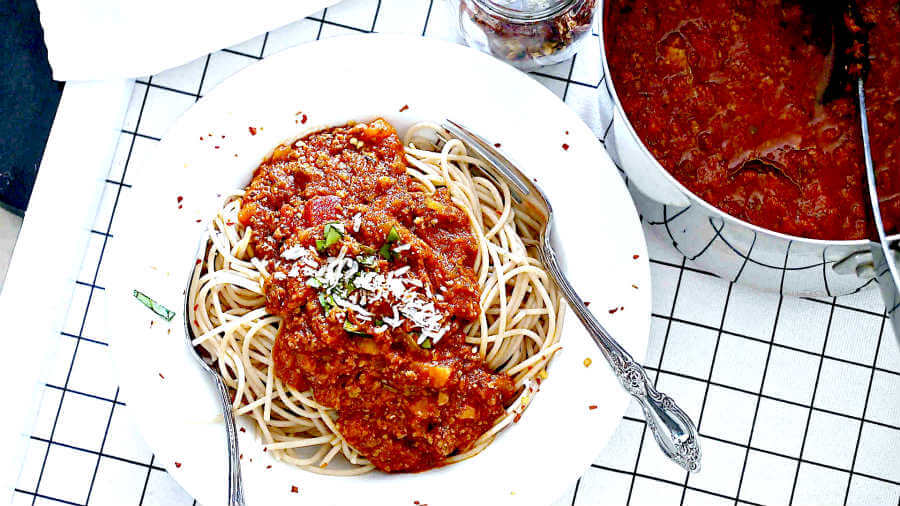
671	427
235	483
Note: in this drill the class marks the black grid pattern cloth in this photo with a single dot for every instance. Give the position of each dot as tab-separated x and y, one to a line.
795	398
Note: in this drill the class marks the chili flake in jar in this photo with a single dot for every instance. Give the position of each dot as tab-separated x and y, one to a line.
527	33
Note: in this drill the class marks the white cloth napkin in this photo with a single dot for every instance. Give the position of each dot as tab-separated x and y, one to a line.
103	39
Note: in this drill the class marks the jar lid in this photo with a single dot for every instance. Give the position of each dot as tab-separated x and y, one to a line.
524	10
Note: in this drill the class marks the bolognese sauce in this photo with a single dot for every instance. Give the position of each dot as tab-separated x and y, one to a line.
724	94
374	280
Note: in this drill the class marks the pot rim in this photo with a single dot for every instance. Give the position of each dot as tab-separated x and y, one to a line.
669	177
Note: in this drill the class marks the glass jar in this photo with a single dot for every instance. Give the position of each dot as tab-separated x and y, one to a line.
526	33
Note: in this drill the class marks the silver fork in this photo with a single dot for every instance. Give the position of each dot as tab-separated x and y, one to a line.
235	483
672	428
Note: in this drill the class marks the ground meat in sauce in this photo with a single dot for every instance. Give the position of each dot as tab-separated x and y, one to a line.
403	407
713	86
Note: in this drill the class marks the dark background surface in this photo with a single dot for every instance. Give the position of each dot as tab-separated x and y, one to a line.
28	101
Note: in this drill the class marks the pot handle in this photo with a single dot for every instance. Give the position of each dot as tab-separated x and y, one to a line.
641	168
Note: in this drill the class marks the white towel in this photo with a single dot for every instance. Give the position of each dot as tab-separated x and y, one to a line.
103	39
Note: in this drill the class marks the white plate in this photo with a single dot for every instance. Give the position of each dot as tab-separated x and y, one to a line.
331	81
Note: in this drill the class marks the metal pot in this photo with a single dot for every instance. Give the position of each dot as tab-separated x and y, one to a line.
720	243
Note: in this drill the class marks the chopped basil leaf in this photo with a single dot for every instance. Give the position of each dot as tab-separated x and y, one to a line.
379	322
367	250
320	245
385	252
326	302
426	344
368	260
353	329
154	306
333	233
336	225
393	235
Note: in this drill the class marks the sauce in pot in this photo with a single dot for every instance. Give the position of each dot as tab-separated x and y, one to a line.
723	94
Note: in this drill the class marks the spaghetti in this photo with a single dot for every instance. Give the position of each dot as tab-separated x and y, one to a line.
501	345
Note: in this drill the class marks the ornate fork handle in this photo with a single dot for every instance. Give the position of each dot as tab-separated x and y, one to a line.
671	427
673	430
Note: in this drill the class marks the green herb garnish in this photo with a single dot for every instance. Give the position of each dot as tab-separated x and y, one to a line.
326	302
426	344
385	252
320	245
393	235
154	306
367	260
353	329
333	233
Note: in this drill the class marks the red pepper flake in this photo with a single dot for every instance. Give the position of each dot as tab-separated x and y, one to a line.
243	429
592	407
217	147
252	130
567	132
613	310
565	147
634	286
196	323
636	257
303	119
496	144
161	375
229	223
223	136
180	206
201	137
179	198
196	307
517	418
269	466
198	221
587	303
241	457
264	449
404	108
178	465
198	260
294	489
415	502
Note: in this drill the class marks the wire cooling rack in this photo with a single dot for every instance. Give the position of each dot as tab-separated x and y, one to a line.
796	399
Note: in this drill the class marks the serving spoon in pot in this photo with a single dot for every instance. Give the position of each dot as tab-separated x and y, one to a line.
845	76
671	427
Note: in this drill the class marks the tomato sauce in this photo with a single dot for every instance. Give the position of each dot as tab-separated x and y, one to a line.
724	94
402	404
